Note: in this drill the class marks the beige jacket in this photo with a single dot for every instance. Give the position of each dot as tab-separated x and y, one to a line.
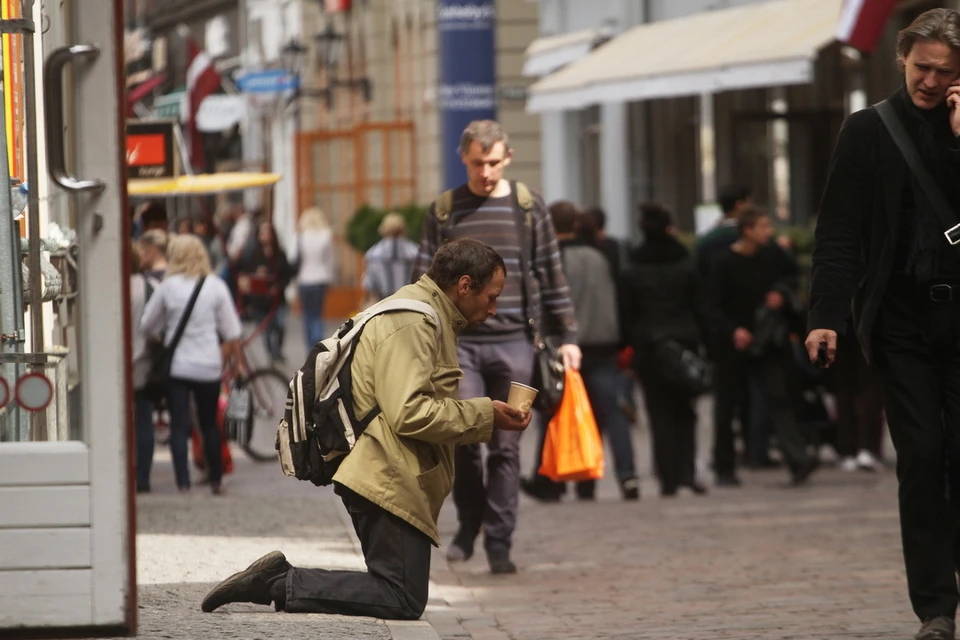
403	462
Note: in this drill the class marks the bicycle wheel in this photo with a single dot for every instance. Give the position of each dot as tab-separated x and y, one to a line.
268	396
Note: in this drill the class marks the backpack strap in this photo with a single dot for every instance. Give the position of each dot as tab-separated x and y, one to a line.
443	206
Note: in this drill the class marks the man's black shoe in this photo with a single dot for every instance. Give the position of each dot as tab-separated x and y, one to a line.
250	585
728	480
803	473
500	563
541	489
461	547
940	628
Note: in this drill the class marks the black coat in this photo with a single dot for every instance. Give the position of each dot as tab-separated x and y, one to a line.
858	224
660	296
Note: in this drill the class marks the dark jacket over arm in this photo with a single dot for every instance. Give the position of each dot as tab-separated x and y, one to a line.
839	241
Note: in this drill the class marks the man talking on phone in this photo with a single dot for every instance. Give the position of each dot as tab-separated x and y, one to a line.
884	243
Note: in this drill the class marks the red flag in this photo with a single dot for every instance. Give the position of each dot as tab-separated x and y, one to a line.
862	22
202	80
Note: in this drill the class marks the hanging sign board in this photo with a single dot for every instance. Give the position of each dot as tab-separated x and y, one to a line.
151	148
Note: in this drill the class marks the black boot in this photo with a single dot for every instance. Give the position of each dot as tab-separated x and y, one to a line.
500	562
250	585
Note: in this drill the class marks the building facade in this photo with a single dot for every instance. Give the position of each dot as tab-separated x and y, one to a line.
367	123
663	100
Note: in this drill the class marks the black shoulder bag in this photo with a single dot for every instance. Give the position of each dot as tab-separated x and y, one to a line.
158	380
548	374
938	201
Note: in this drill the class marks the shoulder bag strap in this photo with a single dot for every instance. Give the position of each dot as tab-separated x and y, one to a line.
182	325
526	257
947	216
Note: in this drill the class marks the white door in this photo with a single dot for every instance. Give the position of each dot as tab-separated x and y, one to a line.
66	504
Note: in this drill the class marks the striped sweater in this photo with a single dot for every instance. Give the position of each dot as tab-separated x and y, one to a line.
494	221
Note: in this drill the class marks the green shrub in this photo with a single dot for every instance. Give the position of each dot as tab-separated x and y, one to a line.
362	229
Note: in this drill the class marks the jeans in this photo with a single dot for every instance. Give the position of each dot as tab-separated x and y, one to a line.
143	420
206	395
395	584
488	369
311	310
604	383
273	333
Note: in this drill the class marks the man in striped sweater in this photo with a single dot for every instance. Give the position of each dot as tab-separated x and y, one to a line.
488	208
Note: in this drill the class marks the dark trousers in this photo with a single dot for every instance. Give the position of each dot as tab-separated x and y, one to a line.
488	369
859	401
396	582
917	354
776	373
731	399
143	419
311	310
275	330
672	427
206	396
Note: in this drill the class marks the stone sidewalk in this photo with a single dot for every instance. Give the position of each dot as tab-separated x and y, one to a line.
188	543
765	561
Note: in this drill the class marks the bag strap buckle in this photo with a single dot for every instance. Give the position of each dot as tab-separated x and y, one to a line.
953	235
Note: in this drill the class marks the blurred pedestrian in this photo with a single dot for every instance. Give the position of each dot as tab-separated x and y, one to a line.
153	256
262	279
752	305
197	361
515	222
314	257
140	292
387	264
880	244
661	301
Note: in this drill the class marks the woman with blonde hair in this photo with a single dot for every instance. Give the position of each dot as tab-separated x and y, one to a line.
313	254
197	360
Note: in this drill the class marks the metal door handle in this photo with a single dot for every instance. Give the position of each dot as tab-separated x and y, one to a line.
53	112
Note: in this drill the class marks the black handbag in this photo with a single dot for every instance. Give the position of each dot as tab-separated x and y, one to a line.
683	368
158	379
548	372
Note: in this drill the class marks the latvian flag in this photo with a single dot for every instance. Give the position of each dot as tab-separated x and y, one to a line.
862	22
202	80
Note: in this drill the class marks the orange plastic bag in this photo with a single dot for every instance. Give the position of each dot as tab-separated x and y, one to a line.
573	449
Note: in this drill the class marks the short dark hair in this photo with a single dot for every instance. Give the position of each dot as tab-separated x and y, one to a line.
465	257
155	211
730	195
655	219
749	217
597	216
564	215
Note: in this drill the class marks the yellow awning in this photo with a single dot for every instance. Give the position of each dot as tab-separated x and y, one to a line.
206	183
765	44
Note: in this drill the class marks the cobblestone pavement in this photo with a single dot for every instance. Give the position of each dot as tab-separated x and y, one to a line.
820	562
817	563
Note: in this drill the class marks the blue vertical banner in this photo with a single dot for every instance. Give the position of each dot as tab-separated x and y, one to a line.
468	75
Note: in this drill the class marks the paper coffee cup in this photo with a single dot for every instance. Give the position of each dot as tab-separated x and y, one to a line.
521	396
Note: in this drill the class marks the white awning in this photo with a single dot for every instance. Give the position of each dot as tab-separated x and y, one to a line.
549	53
765	44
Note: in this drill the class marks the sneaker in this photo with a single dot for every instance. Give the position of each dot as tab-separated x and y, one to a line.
867	462
940	628
848	464
250	585
461	547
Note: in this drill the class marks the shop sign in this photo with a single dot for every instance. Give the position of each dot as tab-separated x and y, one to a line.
150	149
